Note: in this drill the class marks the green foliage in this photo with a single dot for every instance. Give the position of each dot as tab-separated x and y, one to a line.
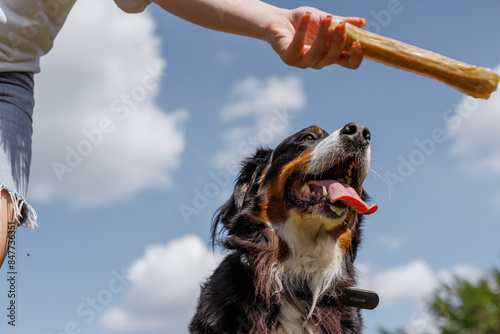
466	308
469	308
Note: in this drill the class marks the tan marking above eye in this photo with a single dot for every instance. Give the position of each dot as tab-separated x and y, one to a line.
315	129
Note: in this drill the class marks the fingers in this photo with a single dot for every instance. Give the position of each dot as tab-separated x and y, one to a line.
316	53
335	49
316	45
353	58
357	21
295	50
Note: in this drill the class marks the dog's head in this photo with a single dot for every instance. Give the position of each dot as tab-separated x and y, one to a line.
312	182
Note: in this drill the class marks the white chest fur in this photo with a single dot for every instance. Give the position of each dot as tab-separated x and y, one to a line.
291	321
317	262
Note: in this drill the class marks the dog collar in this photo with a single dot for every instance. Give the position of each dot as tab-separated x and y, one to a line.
351	296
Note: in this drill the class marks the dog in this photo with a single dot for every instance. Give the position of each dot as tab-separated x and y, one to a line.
292	228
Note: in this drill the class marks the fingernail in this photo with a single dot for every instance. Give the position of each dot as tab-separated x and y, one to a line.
341	27
328	21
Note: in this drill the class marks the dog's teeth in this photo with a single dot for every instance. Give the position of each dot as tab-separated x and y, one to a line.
306	188
349	172
325	193
338	211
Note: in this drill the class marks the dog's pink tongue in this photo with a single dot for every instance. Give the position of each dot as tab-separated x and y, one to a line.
344	193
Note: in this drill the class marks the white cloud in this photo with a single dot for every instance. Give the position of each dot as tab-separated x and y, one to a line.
261	113
163	289
474	129
412	282
99	136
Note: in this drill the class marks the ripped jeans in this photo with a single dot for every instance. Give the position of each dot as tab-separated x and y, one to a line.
16	111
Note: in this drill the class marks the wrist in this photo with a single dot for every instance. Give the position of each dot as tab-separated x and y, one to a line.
256	18
274	16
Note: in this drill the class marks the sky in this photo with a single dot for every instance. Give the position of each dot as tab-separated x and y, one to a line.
140	124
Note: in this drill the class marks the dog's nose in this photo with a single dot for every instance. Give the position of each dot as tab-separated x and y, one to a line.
356	132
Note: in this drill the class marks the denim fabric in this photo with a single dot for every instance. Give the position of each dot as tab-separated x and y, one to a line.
16	111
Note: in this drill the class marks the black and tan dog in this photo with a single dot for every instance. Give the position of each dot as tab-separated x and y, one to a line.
293	228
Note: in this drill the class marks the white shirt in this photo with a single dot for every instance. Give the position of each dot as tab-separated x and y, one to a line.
28	29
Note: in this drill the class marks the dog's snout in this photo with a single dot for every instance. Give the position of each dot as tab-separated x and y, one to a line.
356	132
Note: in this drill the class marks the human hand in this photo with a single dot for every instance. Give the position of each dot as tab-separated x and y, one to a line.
302	38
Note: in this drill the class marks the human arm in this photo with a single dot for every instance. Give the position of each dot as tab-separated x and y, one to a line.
302	37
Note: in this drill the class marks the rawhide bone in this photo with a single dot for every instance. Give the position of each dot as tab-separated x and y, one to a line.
469	79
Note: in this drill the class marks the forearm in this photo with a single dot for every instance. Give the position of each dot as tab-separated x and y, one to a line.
242	17
302	37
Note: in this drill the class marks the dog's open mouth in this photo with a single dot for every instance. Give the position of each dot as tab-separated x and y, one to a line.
335	190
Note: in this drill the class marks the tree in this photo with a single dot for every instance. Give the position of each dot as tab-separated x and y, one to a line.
463	307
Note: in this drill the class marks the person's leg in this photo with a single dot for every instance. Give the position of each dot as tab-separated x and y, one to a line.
8	224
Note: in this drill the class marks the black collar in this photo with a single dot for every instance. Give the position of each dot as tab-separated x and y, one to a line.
352	296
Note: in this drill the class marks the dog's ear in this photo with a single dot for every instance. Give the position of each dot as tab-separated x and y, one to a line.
252	169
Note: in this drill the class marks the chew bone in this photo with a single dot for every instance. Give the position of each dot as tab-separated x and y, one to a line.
472	80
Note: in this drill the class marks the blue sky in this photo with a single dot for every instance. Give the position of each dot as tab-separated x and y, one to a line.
149	114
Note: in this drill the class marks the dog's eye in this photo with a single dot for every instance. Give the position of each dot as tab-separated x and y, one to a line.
307	137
